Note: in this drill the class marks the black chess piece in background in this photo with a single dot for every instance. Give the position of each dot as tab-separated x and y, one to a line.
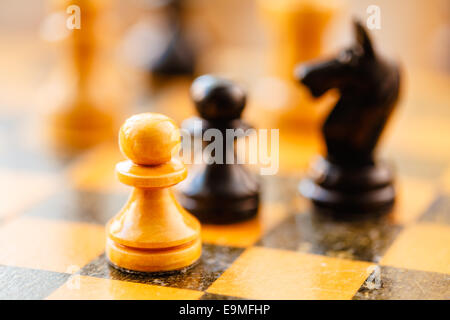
219	193
350	179
178	58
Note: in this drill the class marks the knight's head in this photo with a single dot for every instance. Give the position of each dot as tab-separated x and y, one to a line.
347	69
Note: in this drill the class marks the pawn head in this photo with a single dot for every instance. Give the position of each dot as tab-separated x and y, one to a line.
217	99
149	138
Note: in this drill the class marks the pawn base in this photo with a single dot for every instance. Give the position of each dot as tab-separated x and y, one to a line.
209	211
353	190
153	260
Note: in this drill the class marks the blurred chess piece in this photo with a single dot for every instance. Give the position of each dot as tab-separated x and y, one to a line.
85	92
159	48
440	44
296	30
177	57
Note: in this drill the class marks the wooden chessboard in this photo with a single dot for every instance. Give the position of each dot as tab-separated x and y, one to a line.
52	218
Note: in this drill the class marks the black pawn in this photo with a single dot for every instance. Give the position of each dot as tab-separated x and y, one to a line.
220	193
178	58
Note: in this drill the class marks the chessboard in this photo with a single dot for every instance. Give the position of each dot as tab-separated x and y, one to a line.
53	212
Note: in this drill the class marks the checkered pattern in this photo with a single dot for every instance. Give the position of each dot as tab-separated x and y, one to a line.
52	233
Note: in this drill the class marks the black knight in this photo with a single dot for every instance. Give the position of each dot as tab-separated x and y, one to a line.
350	178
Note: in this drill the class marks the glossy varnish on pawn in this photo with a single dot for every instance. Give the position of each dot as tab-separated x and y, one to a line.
152	232
350	178
220	193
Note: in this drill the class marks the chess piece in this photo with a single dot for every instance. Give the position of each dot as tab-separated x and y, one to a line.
220	193
84	106
350	178
177	58
159	47
152	232
296	30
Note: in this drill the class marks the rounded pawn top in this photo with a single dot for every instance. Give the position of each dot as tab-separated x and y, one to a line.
149	138
217	99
